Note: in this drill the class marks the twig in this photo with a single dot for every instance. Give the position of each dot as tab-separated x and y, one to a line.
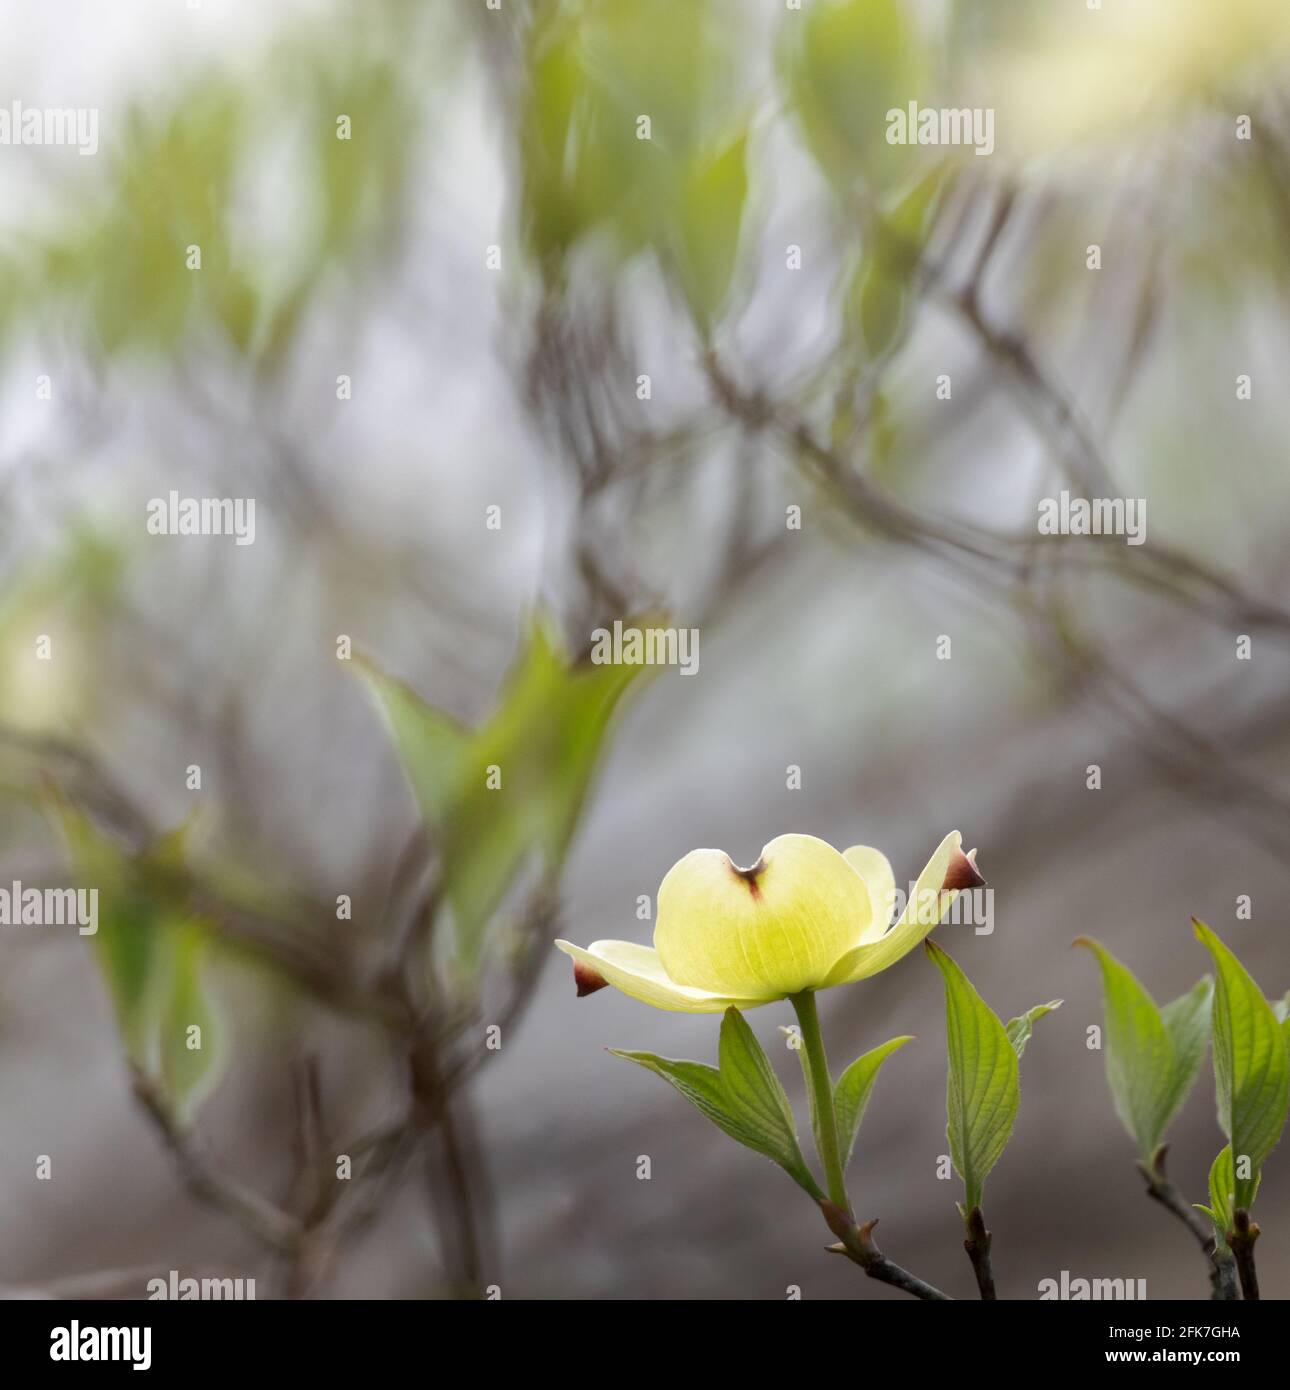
977	1246
267	1222
1222	1276
1241	1240
858	1245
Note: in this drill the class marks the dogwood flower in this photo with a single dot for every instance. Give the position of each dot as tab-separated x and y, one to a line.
803	917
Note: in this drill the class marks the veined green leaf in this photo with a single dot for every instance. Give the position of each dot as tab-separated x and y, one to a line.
1222	1191
1020	1028
753	1090
983	1090
743	1097
1251	1067
1147	1075
855	1086
1187	1021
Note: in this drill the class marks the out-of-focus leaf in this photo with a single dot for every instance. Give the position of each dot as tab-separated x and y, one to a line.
190	1061
983	1090
743	1097
881	291
170	188
151	954
855	1086
544	738
129	943
711	203
846	63
1150	1065
593	72
1020	1028
1251	1067
881	307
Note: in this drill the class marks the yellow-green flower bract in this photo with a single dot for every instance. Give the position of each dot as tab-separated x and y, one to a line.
804	916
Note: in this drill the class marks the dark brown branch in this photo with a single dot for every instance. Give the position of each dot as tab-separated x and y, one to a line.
1241	1240
977	1246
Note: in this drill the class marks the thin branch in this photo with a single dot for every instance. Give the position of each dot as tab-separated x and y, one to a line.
267	1222
1222	1276
858	1245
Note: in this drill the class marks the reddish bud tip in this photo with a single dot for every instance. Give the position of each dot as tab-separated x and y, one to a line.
962	873
587	980
838	1221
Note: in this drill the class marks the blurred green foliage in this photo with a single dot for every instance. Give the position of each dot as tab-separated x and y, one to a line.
151	952
596	72
511	789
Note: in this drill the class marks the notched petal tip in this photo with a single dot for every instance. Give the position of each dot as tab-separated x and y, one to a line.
962	873
587	980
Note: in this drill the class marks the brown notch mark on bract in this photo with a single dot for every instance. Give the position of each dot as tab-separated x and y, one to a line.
749	875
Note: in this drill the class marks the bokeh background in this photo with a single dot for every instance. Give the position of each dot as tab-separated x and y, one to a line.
494	260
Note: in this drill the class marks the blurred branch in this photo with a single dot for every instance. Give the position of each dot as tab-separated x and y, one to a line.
261	1218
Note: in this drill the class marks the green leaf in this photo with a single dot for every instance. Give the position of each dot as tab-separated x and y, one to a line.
983	1090
544	739
743	1097
128	944
189	1072
797	1044
881	300
1187	1021
1222	1190
846	63
855	1086
1020	1028
1150	1064
1251	1066
711	199
150	952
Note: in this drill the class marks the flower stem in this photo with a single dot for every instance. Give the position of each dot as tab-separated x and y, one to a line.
826	1125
